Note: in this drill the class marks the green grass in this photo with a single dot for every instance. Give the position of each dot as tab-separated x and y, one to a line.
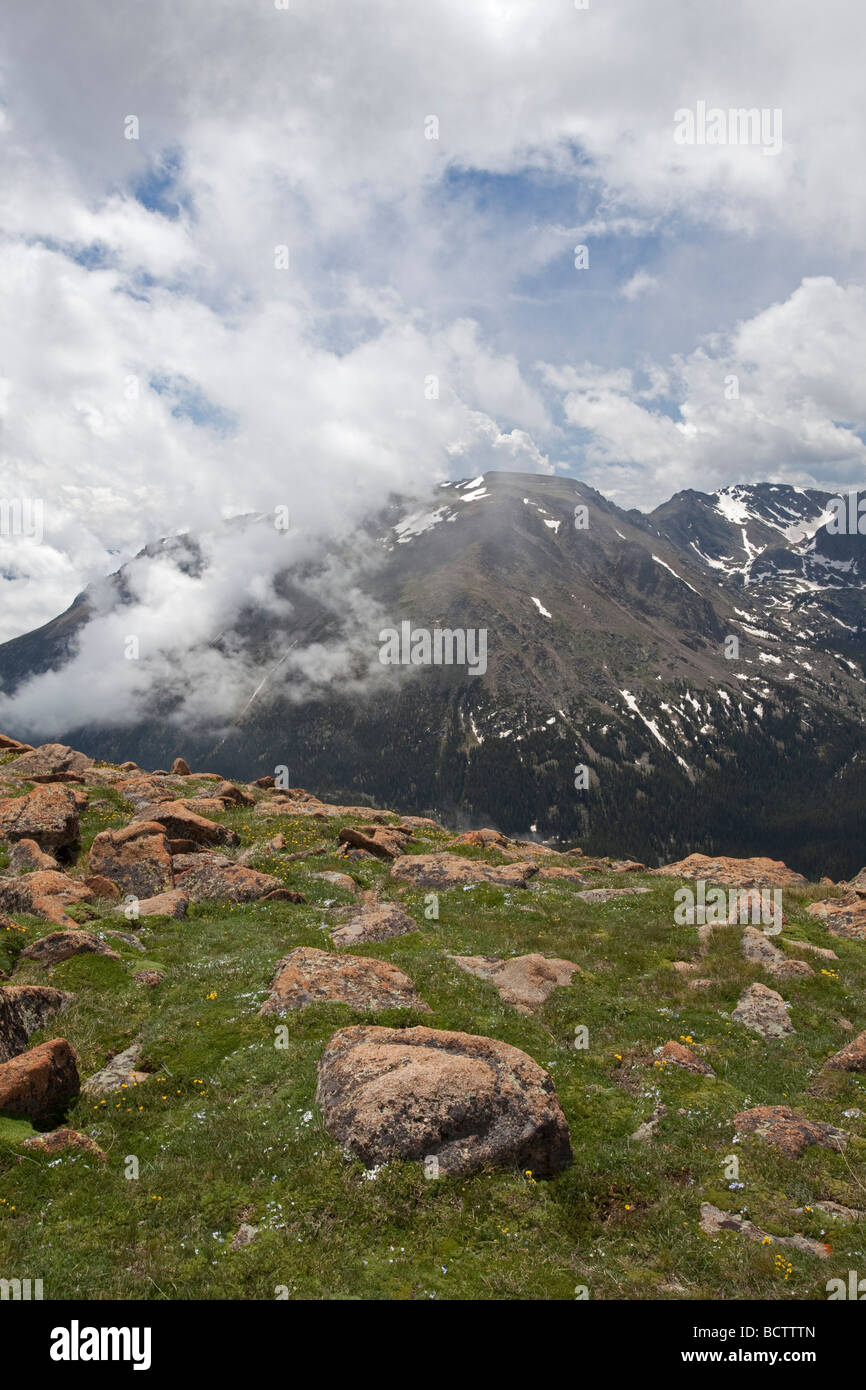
226	1128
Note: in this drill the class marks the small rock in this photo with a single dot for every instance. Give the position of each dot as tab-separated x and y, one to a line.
102	887
61	1140
603	895
844	917
61	945
223	880
823	951
26	856
374	923
338	880
678	1055
384	842
118	1072
763	1011
780	1126
182	824
309	976
714	1222
852	1057
522	981
180	768
757	948
173	904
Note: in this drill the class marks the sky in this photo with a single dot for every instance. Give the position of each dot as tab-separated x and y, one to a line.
325	205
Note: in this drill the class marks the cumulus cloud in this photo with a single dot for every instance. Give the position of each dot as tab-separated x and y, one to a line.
779	399
245	306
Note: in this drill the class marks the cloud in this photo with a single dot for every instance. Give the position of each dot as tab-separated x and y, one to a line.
779	399
640	283
162	373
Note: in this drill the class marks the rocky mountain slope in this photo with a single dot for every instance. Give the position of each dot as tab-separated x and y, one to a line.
704	663
257	1045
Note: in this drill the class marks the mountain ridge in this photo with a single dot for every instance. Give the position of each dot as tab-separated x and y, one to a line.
607	650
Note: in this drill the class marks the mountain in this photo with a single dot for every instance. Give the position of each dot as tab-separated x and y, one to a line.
704	663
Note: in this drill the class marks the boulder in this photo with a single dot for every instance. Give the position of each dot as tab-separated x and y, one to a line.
118	1072
12	745
780	1126
235	796
852	1057
174	903
41	1084
763	1011
61	945
135	858
227	882
50	759
338	880
26	856
418	1093
309	976
59	1141
48	815
144	791
23	1010
386	842
102	887
522	981
858	883
180	768
482	839
373	923
845	917
560	873
443	871
758	949
735	873
182	824
46	894
176	847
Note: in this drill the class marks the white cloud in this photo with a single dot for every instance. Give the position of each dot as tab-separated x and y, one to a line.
640	283
305	127
780	399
